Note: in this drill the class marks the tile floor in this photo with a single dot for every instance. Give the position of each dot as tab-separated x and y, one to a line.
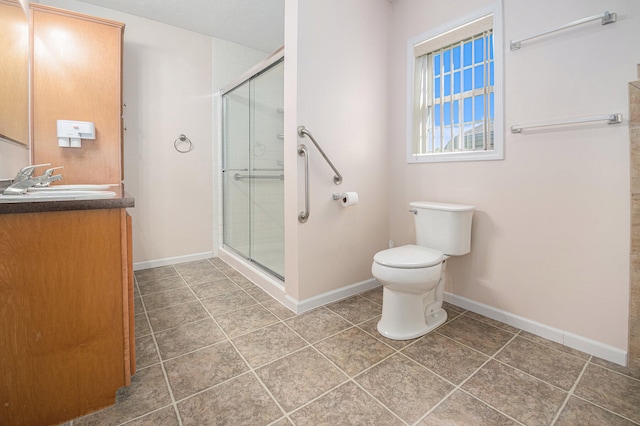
214	349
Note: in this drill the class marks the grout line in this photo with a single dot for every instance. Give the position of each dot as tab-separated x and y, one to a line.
164	371
459	386
235	348
273	398
358	326
606	409
570	393
349	378
352	379
575	385
492	407
375	398
253	370
555	349
144	415
534	377
612	370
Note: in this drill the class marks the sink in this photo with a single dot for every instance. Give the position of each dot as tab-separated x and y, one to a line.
76	187
56	195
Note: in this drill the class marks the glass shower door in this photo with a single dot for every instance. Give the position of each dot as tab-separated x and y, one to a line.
253	170
267	168
236	155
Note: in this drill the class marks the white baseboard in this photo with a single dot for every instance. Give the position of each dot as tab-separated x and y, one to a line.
592	347
277	290
171	260
335	295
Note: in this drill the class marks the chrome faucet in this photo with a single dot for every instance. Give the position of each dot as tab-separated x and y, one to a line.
47	177
26	172
25	180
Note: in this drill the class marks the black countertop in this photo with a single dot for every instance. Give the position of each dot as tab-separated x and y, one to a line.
120	201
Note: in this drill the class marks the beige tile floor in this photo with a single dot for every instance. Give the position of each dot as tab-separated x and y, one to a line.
214	349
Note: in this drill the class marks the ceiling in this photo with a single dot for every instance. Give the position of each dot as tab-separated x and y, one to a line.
258	24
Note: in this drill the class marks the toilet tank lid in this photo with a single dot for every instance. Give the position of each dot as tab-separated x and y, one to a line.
441	206
408	257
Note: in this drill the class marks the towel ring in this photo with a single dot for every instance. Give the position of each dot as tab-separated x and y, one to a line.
182	140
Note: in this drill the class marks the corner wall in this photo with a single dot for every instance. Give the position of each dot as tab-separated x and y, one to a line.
550	239
342	82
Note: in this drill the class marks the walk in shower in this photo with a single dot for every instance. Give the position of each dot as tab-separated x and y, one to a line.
253	166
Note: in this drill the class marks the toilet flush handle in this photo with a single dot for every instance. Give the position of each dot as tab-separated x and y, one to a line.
414	211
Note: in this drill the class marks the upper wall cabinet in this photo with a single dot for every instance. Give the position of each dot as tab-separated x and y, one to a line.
77	76
14	73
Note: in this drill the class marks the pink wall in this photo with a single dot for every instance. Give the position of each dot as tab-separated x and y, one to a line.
341	83
551	234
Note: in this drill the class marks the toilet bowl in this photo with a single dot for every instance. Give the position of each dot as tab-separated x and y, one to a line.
413	276
409	274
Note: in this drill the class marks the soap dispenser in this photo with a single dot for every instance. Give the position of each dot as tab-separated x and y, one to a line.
70	133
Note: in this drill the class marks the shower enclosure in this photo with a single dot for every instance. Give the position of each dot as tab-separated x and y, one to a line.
253	167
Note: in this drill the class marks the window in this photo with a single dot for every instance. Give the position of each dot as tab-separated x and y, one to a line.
454	95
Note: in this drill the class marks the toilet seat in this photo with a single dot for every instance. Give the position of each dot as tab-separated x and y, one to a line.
409	257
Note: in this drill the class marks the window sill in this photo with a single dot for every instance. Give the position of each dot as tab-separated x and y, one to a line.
455	156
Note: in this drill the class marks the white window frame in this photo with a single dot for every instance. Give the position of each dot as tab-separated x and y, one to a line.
497	153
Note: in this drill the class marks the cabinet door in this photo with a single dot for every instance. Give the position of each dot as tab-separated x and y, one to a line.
77	75
61	315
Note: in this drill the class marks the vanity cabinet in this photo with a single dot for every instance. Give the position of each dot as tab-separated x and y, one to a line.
66	312
77	75
66	278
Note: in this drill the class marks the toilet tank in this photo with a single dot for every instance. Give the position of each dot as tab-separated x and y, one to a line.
444	227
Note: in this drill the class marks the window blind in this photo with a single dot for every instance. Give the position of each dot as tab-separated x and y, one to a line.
450	37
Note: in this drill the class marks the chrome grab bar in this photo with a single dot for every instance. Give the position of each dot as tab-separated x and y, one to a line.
304	214
302	131
238	176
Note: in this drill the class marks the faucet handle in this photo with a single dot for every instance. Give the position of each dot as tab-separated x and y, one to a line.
26	172
49	172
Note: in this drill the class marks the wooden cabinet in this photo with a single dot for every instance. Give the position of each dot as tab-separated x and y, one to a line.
77	75
66	283
66	311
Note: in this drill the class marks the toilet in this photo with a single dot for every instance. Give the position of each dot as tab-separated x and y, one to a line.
413	276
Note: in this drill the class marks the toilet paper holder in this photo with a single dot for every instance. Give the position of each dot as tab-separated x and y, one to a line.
346	199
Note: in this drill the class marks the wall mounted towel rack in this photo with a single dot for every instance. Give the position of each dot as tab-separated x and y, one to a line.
611	119
183	144
606	18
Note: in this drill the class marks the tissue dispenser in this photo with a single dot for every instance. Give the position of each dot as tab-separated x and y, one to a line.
70	133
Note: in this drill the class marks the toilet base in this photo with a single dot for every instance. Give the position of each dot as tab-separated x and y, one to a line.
403	316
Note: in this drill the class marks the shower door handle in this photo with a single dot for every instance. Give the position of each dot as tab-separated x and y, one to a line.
304	215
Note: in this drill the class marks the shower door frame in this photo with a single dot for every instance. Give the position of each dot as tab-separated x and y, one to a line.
263	66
